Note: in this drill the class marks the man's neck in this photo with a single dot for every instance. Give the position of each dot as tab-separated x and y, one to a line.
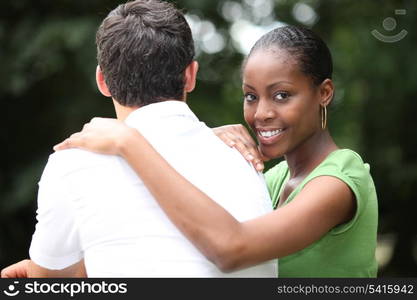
122	112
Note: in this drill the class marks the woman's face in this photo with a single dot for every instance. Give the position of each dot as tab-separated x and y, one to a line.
281	105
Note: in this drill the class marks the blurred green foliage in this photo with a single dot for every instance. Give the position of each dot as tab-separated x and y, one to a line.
47	91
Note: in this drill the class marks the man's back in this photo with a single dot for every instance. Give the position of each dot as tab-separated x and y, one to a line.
114	222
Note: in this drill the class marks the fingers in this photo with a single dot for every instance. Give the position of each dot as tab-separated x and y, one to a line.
76	140
62	146
263	157
243	132
232	134
251	154
253	149
85	127
17	270
246	147
237	136
229	139
4	273
259	165
88	137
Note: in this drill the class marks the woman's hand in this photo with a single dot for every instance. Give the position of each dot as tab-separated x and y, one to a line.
101	135
238	137
17	270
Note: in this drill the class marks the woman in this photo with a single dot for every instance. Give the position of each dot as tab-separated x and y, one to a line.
325	220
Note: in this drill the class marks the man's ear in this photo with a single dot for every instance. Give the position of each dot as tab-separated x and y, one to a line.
190	76
101	83
326	92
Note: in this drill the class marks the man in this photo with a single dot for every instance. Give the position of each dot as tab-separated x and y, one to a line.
93	210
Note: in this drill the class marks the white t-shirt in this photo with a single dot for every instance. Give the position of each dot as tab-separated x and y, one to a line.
95	207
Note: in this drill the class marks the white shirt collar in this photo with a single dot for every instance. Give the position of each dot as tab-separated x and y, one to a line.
148	114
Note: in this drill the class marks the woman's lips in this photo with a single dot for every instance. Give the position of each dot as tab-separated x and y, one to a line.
269	136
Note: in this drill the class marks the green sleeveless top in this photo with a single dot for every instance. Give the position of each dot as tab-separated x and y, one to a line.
347	250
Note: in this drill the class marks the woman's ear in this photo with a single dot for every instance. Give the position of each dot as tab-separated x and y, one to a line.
101	83
190	76
326	92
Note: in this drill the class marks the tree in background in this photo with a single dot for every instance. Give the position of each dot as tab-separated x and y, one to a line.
47	91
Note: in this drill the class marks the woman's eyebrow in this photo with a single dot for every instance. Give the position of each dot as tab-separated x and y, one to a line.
249	86
272	85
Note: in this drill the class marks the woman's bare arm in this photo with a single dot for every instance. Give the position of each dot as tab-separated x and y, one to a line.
218	235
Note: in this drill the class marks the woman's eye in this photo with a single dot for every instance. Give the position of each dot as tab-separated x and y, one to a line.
249	97
281	96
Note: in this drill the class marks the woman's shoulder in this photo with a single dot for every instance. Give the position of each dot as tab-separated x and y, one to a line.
348	166
345	161
346	154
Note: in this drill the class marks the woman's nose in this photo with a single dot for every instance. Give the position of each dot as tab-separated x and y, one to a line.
264	111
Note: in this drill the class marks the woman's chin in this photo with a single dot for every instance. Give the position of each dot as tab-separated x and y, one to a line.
271	152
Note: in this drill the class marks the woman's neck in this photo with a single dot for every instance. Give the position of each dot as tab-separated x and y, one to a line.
309	154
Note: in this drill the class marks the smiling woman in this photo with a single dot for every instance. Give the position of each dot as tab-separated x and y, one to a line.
281	101
325	220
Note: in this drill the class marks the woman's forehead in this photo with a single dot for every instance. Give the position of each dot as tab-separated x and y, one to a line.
272	56
271	63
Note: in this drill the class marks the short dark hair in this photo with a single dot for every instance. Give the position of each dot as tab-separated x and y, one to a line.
143	49
309	50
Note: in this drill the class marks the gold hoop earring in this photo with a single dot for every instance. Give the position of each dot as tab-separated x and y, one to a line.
323	117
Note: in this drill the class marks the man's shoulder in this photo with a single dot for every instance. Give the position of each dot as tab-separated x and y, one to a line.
65	162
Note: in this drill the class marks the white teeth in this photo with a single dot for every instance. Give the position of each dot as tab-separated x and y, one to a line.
270	133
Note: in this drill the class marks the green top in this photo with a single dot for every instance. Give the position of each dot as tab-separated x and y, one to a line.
347	250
